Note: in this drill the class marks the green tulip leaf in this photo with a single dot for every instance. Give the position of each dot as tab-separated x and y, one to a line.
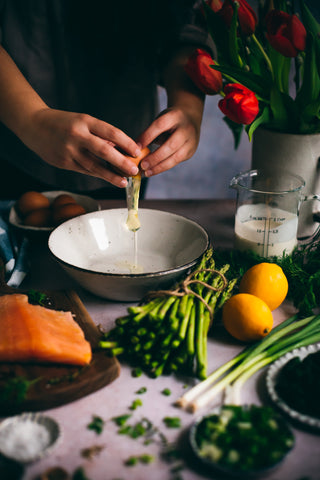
313	27
260	120
218	32
256	58
278	105
311	112
233	38
236	129
310	88
258	84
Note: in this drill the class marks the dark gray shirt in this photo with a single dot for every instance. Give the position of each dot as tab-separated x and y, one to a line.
100	57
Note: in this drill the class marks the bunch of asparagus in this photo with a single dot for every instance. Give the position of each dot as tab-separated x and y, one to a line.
168	333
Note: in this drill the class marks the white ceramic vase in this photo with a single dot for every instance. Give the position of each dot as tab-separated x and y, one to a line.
298	154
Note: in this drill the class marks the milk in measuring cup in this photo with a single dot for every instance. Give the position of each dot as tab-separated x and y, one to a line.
265	230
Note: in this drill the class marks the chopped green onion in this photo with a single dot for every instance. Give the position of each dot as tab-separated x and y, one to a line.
172	422
290	334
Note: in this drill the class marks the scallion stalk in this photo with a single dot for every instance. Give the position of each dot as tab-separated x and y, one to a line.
290	334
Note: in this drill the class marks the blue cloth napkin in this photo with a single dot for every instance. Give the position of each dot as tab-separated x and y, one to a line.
13	248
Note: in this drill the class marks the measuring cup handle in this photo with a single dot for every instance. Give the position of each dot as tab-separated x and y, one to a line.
316	235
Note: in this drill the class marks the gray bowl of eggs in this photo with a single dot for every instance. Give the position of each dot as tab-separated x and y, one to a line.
41	212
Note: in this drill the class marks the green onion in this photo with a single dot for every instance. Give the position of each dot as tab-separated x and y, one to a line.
96	424
169	332
141	390
231	376
135	404
172	422
166	392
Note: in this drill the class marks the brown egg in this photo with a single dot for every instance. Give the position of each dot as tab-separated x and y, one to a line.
30	201
65	212
39	218
63	199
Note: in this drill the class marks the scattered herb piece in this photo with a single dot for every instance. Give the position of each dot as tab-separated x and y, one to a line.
91	452
121	420
141	390
135	404
125	430
166	392
138	430
15	389
38	298
55	473
136	372
172	422
133	431
96	424
70	377
80	474
131	461
146	458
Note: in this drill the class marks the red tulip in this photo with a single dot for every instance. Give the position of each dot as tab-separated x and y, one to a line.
285	33
215	5
239	104
208	80
246	15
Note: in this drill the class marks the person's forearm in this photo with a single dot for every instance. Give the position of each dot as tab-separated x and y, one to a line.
181	91
18	100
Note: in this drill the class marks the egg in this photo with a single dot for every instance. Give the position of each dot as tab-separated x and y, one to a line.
31	201
63	199
65	212
39	218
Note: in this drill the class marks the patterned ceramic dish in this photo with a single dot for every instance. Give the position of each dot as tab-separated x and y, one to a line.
28	437
88	203
271	379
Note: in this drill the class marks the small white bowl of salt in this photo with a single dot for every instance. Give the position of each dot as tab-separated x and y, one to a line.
28	437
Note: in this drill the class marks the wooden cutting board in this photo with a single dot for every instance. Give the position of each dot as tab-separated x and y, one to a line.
55	384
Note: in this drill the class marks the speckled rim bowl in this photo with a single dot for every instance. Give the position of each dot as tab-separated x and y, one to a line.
98	251
17	452
271	380
231	473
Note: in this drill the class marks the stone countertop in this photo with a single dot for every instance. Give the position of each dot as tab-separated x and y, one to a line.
115	399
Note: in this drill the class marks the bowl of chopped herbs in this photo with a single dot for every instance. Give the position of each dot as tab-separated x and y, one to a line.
241	441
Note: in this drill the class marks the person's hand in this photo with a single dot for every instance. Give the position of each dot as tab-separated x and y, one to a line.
177	132
82	143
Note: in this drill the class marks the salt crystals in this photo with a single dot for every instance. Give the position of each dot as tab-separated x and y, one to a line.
24	439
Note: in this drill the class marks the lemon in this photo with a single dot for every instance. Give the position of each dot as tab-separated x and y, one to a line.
266	281
247	317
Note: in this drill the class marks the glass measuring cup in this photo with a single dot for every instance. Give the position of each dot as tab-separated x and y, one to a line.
267	211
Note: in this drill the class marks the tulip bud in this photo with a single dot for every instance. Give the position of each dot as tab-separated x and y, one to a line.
215	5
239	104
198	68
246	15
285	33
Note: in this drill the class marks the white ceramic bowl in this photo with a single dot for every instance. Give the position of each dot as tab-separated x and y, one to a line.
98	251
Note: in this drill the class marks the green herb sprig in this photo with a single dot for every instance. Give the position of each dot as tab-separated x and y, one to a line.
301	267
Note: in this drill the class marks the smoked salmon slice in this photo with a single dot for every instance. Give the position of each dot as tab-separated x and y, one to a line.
32	333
